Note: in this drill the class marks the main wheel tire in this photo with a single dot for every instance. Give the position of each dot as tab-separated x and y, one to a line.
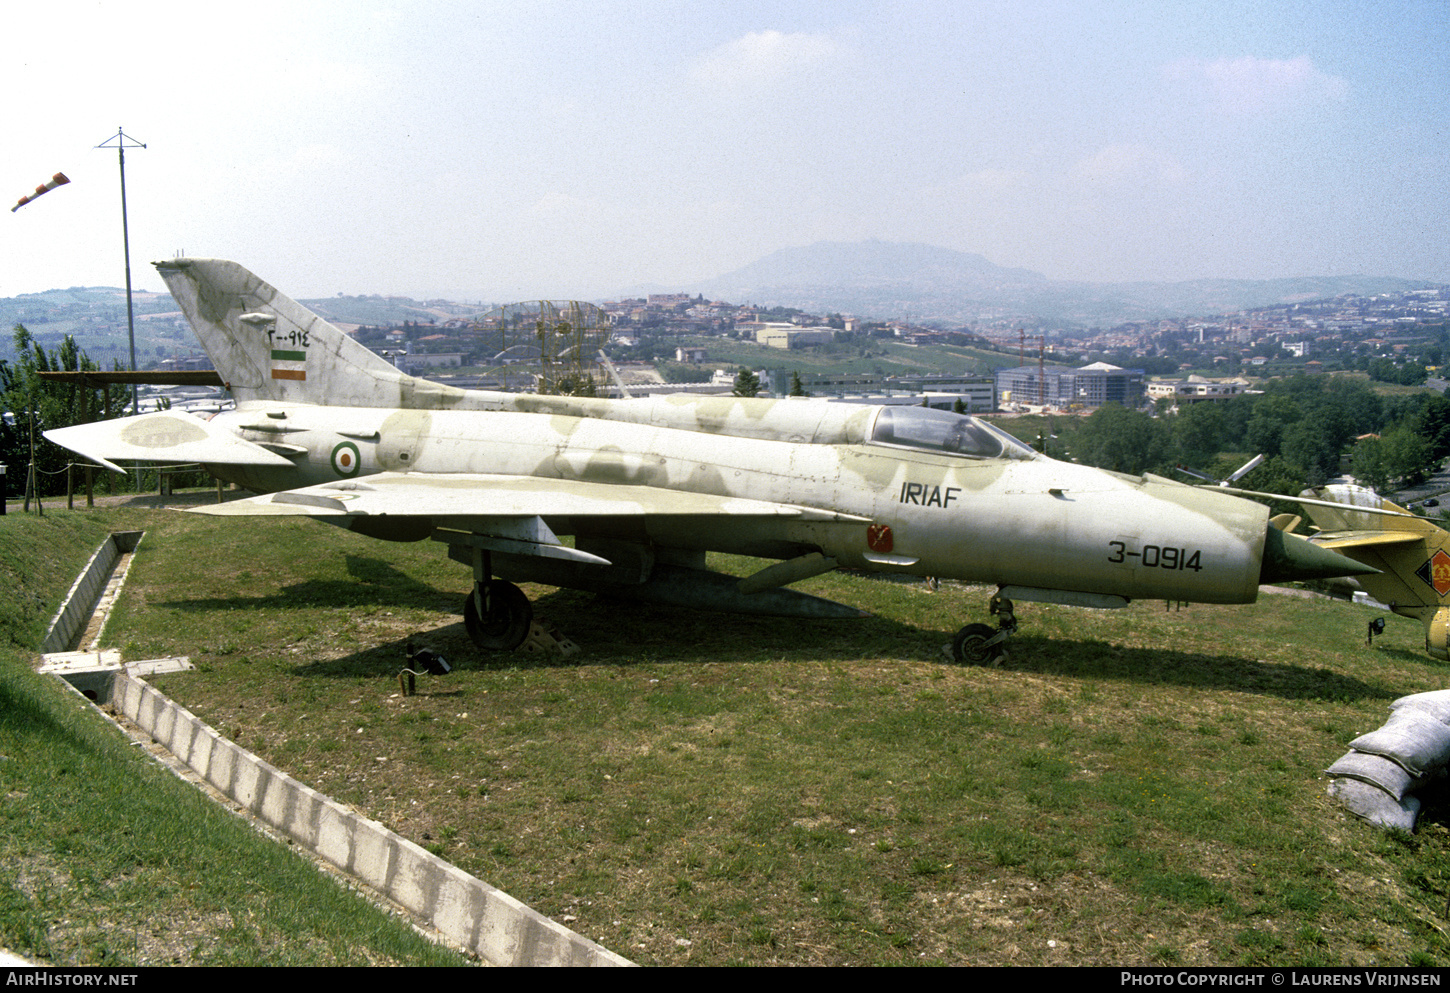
507	621
970	646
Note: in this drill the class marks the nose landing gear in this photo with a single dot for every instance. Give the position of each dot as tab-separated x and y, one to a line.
978	644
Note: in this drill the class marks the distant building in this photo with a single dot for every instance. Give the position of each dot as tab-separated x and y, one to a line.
429	360
841	383
186	363
1058	386
1194	390
978	394
788	335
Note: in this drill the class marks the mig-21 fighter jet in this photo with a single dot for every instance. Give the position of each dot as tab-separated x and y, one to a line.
325	428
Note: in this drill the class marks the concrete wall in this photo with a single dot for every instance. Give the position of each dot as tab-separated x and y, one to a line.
75	610
494	925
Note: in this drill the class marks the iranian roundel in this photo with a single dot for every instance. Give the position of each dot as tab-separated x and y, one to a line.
345	459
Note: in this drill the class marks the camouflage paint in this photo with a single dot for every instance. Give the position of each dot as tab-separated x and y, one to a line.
674	476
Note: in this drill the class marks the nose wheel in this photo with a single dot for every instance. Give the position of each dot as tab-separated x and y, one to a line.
979	644
497	615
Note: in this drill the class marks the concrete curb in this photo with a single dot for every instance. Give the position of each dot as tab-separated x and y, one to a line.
492	924
76	609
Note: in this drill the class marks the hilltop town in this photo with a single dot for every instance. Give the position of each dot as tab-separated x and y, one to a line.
683	342
679	341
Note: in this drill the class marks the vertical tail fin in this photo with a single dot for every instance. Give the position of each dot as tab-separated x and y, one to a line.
1387	516
267	346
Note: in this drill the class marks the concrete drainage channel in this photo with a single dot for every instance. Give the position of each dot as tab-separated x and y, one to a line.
465	910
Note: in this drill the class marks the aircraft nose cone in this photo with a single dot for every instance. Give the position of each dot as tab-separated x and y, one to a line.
1289	558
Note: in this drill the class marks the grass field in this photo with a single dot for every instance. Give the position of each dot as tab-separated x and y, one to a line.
1140	786
108	859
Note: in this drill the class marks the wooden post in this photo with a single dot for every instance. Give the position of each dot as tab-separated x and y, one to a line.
90	486
106	415
30	467
70	497
34	486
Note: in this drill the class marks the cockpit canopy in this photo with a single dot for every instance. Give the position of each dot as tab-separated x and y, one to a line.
941	431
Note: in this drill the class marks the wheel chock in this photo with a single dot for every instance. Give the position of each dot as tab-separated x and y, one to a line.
540	639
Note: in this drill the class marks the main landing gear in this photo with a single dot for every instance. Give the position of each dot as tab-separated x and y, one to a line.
978	644
497	615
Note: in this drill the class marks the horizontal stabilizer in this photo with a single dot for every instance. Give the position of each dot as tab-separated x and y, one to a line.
1286	522
1362	539
165	436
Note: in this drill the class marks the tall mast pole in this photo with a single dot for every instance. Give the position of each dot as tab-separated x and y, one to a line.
120	138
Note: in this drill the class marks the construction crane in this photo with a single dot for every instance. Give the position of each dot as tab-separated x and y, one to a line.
566	333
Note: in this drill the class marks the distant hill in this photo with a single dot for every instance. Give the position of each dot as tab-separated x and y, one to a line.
382	311
836	263
96	317
873	279
885	279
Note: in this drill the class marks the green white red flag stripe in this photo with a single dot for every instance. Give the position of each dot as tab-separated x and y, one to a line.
59	179
288	364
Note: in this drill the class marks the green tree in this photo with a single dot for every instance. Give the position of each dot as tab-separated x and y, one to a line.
747	383
1272	414
797	389
1122	440
1276	476
1309	447
1367	465
1381	370
571	385
1406	454
1434	425
1359	404
1236	415
1198	432
39	404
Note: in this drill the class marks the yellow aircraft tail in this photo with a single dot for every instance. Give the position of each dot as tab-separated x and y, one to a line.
1409	551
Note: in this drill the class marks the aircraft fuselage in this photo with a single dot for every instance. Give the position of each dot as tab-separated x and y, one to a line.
326	428
1008	521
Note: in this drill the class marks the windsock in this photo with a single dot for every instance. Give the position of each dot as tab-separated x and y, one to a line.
57	180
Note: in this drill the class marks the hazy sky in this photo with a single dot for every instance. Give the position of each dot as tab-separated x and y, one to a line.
556	148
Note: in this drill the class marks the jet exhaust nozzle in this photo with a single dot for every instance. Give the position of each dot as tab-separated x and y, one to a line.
1290	558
